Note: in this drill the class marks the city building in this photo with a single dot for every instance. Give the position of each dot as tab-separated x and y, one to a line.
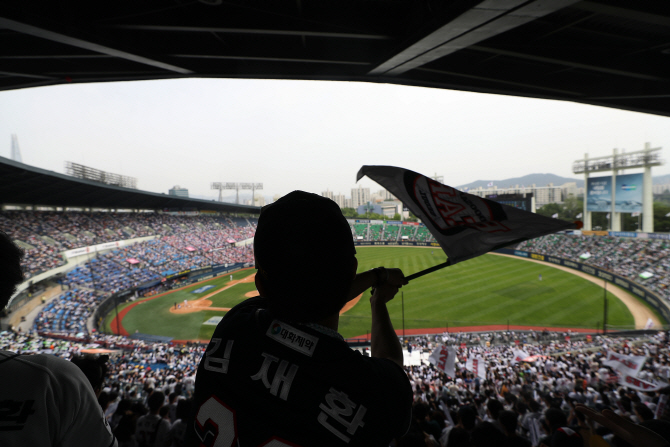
259	200
178	191
543	194
360	196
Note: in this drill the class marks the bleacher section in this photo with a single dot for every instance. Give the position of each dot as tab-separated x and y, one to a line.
360	230
375	232
423	235
67	313
181	243
391	232
44	235
407	231
627	257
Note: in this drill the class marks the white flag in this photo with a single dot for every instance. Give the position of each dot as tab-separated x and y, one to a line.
638	384
634	214
579	216
625	364
477	365
444	359
519	355
555	216
490	184
608	215
463	224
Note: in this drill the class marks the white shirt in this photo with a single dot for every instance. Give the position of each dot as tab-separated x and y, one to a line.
47	401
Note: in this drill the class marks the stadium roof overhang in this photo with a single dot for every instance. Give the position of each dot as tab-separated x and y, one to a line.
609	53
21	184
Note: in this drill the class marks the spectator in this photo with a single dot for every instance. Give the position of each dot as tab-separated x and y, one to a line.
48	401
152	429
314	370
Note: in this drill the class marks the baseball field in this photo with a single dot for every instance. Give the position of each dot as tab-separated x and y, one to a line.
488	290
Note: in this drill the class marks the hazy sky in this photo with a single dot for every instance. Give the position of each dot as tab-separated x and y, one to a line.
307	135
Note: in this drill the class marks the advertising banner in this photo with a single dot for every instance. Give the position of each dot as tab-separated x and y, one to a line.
623	234
599	194
628	196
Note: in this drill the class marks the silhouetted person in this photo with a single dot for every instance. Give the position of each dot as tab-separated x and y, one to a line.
277	363
44	400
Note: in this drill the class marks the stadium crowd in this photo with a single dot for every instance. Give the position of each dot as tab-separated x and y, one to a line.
627	257
45	235
182	242
530	401
524	403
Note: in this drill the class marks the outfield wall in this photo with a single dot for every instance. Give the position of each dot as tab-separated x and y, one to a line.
654	301
394	243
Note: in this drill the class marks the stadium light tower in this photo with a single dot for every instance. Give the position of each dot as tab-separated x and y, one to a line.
228	185
220	186
253	187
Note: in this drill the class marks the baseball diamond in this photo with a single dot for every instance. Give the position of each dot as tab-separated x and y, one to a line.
489	290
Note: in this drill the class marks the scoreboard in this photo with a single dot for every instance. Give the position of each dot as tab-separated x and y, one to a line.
522	201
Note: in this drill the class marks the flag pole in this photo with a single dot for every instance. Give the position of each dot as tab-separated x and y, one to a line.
428	270
403	314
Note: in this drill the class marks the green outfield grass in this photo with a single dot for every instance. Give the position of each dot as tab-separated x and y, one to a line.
153	316
489	289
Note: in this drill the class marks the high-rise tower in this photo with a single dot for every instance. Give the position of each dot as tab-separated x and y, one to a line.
16	152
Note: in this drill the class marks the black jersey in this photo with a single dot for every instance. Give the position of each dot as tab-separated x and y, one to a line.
265	382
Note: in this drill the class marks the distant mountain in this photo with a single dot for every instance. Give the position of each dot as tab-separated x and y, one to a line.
661	179
527	180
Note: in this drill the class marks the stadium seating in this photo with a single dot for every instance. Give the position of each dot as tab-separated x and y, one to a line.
627	257
375	232
423	235
361	230
181	243
407	231
391	233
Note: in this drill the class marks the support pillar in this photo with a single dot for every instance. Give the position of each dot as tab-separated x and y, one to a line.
615	218
586	215
647	195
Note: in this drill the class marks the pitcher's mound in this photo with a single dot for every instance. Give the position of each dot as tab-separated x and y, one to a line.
192	306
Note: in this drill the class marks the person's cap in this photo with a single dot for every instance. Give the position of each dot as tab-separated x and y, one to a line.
302	227
304	251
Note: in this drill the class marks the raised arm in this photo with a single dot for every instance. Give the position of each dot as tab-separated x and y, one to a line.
384	341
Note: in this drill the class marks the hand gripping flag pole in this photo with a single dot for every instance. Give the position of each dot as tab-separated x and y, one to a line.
465	225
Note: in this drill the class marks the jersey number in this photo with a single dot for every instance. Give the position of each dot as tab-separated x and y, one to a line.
216	426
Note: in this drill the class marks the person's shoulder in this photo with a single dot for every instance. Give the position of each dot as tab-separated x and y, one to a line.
50	365
247	306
